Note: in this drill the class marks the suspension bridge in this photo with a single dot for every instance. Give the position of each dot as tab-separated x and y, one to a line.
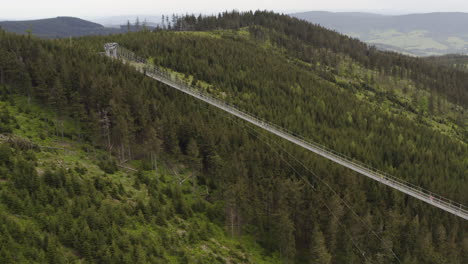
113	50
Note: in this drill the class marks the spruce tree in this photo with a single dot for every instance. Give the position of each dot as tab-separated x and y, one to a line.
318	250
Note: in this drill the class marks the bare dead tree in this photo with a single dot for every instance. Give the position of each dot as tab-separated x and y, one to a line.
105	127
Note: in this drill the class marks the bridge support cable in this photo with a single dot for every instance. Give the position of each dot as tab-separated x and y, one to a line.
312	187
161	75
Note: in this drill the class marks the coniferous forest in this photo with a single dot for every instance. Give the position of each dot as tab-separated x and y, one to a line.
100	164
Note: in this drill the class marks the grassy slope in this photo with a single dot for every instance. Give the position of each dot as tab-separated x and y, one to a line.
417	42
35	125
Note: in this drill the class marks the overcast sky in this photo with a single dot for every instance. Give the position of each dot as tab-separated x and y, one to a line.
21	9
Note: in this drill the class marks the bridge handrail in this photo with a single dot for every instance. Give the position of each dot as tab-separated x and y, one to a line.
170	77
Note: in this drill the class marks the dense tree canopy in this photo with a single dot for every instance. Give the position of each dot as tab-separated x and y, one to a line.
293	33
261	186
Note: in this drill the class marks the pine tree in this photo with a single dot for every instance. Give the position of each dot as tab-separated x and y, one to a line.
137	24
193	153
318	249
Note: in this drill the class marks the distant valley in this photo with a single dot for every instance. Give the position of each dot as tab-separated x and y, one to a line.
414	34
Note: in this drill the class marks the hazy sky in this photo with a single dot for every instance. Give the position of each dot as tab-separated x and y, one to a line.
16	9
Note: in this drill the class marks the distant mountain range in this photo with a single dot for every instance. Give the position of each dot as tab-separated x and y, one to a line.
61	27
416	34
116	21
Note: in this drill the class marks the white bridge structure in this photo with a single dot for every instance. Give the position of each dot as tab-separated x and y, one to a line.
115	51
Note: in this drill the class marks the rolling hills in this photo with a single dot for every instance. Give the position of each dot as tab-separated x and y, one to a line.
416	34
59	27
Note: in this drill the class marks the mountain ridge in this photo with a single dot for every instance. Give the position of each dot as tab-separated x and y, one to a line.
58	27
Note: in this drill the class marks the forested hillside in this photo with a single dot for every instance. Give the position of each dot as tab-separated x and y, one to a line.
312	43
399	114
456	61
64	198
